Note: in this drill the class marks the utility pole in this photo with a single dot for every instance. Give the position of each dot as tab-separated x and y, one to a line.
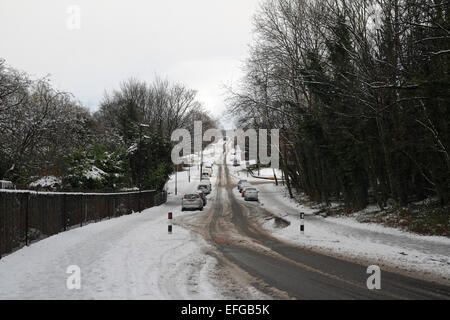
176	180
139	157
190	163
201	166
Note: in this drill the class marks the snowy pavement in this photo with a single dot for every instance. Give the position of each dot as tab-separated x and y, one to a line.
130	257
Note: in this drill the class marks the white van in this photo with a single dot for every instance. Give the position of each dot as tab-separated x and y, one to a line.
207	184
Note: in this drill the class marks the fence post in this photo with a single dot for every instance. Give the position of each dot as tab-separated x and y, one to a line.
129	211
64	212
27	218
139	201
114	205
107	206
81	211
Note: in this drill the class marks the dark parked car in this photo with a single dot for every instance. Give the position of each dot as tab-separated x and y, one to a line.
203	193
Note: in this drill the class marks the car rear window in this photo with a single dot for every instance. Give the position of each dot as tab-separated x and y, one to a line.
191	196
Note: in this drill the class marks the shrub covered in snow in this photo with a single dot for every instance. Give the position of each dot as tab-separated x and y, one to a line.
48	183
96	169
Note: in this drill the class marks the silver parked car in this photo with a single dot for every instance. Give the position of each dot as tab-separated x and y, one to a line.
251	194
192	202
205	184
245	188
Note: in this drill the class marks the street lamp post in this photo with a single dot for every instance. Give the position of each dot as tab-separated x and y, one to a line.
139	168
141	126
201	166
176	180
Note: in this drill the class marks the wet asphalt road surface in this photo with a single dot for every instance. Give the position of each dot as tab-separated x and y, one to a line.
300	273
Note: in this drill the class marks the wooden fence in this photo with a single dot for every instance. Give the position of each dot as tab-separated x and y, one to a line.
28	216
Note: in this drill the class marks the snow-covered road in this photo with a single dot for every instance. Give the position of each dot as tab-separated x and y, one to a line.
134	257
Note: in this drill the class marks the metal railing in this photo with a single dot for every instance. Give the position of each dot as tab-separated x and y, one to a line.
28	216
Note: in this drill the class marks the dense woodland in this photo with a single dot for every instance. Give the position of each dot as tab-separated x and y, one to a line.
361	93
125	144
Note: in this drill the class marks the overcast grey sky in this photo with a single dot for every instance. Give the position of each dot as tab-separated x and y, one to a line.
200	43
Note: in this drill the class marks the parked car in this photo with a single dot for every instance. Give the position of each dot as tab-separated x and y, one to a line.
244	189
208	166
203	194
206	174
206	181
241	183
251	194
204	184
208	171
4	184
192	202
244	186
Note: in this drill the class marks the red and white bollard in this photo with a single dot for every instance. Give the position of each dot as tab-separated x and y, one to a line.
170	222
302	223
